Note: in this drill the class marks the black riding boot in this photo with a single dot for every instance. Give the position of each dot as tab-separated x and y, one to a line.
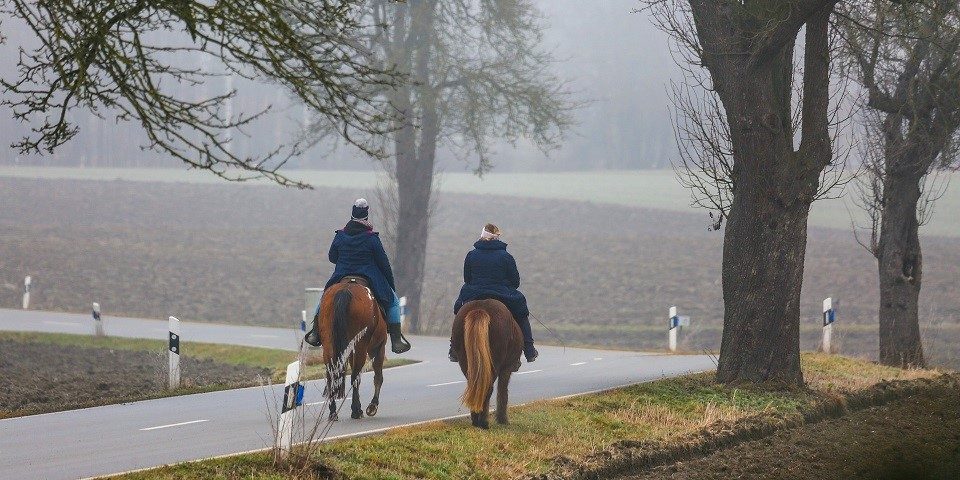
398	343
312	337
529	351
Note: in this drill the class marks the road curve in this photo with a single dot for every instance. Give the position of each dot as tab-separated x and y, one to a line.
117	438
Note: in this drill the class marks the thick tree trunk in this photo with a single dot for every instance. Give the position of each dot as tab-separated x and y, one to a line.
765	238
900	264
763	252
415	163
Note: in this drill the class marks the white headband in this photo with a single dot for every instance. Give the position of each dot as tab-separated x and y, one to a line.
485	235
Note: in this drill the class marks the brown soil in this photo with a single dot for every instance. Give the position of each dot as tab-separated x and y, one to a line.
41	377
597	274
913	438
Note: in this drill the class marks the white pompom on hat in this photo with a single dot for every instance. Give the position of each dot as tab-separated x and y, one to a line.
361	209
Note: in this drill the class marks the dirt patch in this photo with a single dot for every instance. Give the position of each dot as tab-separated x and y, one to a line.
913	438
43	377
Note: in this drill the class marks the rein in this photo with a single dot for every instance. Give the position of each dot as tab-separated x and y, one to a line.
564	344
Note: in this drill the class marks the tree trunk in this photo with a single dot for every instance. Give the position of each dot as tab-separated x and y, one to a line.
765	238
763	252
415	164
900	264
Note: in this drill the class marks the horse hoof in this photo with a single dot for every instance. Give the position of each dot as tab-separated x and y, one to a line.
483	425
356	415
371	410
334	417
503	421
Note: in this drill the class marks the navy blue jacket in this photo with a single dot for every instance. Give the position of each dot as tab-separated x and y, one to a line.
358	251
490	272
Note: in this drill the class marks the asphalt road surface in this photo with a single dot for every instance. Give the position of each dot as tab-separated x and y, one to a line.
117	438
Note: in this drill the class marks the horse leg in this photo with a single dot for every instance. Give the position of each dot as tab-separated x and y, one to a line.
377	379
502	384
356	410
483	417
331	398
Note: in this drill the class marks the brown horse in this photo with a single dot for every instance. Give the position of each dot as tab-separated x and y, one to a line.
352	327
488	343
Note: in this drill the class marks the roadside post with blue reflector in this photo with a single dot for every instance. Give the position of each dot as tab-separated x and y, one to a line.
292	398
173	348
403	311
677	323
97	321
26	291
829	317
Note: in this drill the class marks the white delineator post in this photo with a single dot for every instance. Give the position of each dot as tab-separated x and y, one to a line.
173	347
674	329
829	316
26	292
97	322
292	398
403	311
303	321
677	323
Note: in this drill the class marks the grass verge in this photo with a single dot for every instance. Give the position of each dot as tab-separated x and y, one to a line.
270	360
549	435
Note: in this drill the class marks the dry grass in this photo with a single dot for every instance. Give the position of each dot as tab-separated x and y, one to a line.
572	428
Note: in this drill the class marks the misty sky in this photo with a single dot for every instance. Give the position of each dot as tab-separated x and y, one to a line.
614	59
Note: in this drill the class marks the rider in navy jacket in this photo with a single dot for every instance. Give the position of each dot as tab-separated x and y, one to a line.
357	250
489	271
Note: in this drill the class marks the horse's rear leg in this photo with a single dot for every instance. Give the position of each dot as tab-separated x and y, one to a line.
331	397
377	380
358	359
482	418
503	383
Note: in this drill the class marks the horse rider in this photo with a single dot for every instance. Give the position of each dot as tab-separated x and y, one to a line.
490	272
357	250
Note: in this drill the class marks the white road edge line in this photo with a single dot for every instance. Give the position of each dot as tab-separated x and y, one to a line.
578	364
173	425
446	383
528	371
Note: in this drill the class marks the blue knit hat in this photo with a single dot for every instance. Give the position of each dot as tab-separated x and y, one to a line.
361	210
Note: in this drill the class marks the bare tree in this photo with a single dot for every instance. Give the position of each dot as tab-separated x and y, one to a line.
110	58
747	48
477	73
905	54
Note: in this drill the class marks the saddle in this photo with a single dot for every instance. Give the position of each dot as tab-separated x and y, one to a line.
363	282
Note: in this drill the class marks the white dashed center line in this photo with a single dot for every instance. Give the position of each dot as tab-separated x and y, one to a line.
578	363
528	371
446	383
173	425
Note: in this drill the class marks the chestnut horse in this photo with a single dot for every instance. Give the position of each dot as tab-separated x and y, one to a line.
488	342
352	327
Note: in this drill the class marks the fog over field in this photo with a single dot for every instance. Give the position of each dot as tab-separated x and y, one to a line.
613	58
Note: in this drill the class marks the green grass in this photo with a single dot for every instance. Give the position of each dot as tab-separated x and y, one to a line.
656	189
574	427
274	359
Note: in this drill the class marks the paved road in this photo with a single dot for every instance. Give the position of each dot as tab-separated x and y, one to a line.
117	438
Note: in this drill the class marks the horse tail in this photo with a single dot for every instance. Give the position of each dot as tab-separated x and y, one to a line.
341	321
476	342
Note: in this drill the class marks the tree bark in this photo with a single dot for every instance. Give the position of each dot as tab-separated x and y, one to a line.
415	158
901	269
765	237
